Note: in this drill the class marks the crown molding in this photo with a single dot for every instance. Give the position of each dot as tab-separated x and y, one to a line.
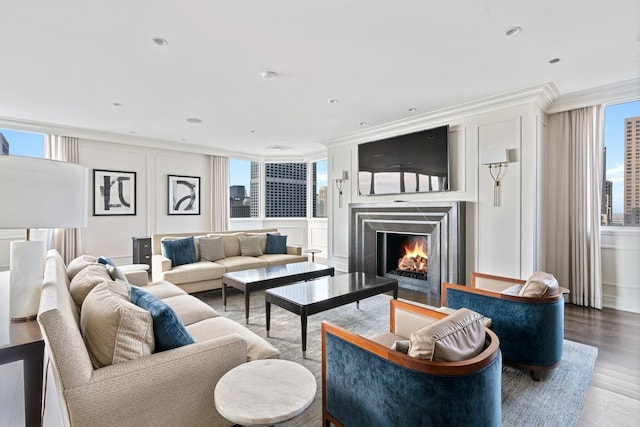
628	90
542	95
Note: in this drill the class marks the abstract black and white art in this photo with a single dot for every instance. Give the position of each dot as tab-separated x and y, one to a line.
184	195
114	193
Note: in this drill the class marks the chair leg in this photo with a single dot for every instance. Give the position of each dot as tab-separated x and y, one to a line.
535	374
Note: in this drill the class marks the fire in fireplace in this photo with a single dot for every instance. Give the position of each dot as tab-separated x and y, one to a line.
414	260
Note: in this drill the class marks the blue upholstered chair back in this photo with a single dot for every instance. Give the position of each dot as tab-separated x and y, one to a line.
362	387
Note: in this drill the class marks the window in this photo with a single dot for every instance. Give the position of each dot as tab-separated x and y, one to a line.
620	198
285	190
244	188
19	143
319	170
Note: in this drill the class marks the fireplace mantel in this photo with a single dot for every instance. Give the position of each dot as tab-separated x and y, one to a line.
443	221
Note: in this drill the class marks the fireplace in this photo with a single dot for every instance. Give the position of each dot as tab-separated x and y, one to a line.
419	244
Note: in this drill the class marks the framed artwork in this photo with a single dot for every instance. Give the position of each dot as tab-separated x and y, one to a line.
184	195
114	193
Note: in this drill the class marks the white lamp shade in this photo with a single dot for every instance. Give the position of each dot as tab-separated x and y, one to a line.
39	193
490	157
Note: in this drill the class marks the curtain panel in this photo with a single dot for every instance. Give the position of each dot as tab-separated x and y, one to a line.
572	181
219	193
68	241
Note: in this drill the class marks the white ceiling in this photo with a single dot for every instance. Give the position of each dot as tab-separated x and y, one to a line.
67	62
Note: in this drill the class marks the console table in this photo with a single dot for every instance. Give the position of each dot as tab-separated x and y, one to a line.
22	341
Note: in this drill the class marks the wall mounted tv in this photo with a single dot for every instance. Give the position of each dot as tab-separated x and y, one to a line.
413	163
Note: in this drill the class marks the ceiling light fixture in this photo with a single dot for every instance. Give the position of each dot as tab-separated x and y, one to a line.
512	31
363	123
117	104
269	75
160	41
411	110
194	120
554	61
277	147
333	101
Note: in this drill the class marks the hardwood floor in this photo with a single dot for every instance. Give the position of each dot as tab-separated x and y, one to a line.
613	398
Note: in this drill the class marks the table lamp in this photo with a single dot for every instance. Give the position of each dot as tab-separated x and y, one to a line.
37	193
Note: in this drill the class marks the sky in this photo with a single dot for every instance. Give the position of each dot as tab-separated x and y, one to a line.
24	143
614	141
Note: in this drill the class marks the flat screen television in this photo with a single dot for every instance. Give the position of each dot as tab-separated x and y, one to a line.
412	163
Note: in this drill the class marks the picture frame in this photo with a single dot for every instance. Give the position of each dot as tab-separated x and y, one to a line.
183	195
114	193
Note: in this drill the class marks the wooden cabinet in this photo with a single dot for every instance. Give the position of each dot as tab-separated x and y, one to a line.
142	250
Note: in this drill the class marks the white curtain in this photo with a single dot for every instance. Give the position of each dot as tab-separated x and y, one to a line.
573	158
68	241
219	193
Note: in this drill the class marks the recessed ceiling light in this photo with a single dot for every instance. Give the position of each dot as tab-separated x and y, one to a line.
116	104
411	110
132	132
194	120
333	101
277	147
269	75
363	123
160	41
554	61
252	131
512	31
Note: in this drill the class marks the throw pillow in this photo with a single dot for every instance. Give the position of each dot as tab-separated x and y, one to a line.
78	264
459	336
250	245
87	279
115	273
211	248
276	244
168	330
114	329
540	284
180	251
512	290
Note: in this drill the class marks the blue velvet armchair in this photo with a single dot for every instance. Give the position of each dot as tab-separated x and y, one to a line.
531	330
366	383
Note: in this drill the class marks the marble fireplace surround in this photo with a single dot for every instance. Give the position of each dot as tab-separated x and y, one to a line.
443	221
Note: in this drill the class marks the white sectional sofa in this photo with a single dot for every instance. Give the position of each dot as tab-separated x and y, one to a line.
203	275
137	385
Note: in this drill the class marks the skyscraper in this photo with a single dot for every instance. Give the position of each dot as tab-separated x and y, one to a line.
5	144
632	171
286	190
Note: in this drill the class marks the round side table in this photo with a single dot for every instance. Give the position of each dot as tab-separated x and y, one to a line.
264	392
313	253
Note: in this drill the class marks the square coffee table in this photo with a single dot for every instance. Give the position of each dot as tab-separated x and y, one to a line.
307	298
270	277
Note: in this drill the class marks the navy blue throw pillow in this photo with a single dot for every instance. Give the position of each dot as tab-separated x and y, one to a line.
106	261
276	244
180	251
168	330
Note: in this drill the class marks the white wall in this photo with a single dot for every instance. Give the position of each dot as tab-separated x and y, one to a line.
499	240
620	248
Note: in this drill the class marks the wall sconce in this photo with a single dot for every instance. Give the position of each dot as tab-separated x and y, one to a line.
340	177
495	159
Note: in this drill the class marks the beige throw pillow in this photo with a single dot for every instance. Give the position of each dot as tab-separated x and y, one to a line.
211	248
250	245
459	336
78	264
114	329
540	284
88	278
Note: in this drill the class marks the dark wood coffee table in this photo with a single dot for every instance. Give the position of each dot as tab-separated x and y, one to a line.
307	298
270	277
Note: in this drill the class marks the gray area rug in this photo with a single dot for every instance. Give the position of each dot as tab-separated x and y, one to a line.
556	400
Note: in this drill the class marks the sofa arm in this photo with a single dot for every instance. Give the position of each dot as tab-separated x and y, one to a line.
159	264
174	387
294	250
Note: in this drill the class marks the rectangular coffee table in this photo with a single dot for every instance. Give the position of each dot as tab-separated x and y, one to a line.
270	277
307	298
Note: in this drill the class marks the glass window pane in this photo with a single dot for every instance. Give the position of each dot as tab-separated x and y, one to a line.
244	185
19	143
320	181
285	190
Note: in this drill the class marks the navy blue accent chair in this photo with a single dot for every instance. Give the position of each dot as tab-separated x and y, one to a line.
531	330
366	383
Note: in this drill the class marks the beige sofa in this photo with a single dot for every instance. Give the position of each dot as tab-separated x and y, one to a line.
173	387
206	275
